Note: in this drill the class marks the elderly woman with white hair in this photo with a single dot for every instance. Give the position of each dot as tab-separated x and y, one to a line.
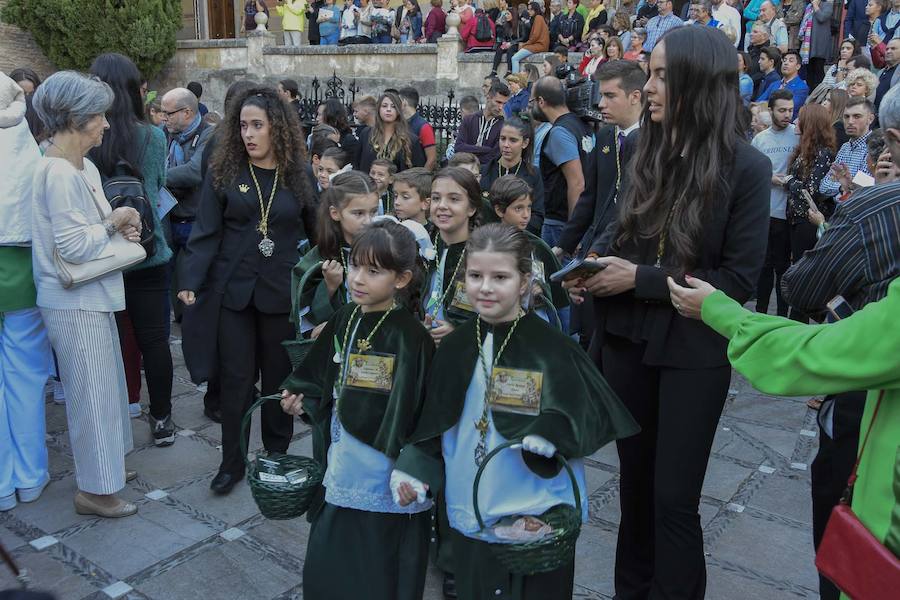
861	83
72	223
24	350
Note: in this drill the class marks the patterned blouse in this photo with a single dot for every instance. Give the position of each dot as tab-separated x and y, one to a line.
797	206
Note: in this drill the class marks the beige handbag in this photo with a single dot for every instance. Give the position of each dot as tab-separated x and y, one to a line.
119	254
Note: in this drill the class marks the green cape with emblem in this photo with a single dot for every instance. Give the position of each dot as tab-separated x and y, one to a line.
308	289
579	411
453	314
381	420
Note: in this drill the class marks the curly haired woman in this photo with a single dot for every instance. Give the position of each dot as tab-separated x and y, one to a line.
255	207
389	138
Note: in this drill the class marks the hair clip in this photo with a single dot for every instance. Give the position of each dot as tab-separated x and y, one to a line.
347	168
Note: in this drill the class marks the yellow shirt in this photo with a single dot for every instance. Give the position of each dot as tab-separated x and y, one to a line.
293	15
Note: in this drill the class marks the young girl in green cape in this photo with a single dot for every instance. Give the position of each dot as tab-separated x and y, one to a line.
455	198
511	201
345	208
361	388
544	390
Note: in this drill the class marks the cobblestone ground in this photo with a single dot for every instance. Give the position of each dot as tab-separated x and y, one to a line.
185	543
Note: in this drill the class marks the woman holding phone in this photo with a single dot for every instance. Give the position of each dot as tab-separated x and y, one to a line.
681	212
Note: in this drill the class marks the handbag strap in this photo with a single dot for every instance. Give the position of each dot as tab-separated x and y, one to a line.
852	480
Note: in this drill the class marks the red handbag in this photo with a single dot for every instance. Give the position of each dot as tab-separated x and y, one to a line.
849	555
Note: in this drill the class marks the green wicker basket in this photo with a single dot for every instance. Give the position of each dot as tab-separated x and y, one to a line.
549	553
280	500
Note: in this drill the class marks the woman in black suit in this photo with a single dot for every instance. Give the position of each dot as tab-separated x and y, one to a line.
696	202
389	138
255	208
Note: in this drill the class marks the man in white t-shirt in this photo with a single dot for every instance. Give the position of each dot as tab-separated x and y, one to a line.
729	18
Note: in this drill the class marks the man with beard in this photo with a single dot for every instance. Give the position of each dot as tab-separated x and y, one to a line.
567	144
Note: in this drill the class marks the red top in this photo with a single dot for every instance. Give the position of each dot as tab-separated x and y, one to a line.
435	23
467	33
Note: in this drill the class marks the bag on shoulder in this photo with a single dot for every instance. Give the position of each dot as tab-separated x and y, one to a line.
124	188
483	31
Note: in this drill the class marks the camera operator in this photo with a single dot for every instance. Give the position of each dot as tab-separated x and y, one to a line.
564	148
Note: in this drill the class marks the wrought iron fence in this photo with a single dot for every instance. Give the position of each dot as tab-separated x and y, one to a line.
444	116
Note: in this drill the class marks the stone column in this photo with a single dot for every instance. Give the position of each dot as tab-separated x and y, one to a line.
256	41
448	48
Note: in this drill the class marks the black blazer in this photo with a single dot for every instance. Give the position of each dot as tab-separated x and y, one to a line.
365	153
225	230
596	207
731	256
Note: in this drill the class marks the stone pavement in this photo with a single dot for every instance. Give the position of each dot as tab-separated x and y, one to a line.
185	543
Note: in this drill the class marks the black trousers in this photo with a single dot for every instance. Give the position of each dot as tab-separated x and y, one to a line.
147	305
247	339
802	238
660	547
498	56
832	466
815	72
778	259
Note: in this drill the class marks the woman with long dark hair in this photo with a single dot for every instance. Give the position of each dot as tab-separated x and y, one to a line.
516	148
809	164
134	147
389	138
334	113
696	200
255	208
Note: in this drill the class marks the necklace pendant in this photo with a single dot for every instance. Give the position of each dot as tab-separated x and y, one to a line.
266	246
480	452
364	345
336	359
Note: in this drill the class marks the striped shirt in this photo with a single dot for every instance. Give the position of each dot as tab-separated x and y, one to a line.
857	257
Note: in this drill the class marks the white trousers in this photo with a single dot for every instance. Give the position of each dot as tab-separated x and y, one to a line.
25	365
291	38
90	367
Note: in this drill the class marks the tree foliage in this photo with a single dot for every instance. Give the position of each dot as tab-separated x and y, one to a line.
73	32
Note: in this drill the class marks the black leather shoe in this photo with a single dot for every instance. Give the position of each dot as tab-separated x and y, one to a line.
223	483
449	586
213	414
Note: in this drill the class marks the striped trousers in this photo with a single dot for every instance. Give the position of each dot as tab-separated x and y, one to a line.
90	367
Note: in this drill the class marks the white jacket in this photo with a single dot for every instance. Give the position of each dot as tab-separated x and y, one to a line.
19	155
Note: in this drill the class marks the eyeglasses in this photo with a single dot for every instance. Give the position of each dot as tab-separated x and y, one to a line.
169	113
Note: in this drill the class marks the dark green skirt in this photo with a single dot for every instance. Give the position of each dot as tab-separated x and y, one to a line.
479	576
355	554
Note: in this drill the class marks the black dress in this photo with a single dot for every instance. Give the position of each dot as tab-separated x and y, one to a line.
366	154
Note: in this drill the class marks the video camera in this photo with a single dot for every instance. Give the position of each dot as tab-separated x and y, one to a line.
582	93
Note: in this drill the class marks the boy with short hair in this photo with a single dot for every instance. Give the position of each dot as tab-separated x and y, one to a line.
382	172
412	194
468	161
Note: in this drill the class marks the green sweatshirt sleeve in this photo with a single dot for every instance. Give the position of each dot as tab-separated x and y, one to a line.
783	357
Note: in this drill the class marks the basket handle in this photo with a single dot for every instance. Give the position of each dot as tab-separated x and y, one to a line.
516	444
245	423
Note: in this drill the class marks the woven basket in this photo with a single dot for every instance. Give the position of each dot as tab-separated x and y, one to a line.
280	501
549	553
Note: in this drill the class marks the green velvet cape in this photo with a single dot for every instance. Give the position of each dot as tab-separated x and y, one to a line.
314	293
544	254
579	411
383	421
455	316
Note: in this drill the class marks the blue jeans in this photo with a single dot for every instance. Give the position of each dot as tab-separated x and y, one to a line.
330	39
518	57
382	39
551	231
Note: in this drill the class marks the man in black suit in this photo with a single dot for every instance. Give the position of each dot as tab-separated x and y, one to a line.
621	85
621	100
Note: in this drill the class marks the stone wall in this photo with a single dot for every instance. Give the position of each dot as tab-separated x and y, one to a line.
433	69
18	49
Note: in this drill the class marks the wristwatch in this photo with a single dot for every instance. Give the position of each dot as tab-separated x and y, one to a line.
110	228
